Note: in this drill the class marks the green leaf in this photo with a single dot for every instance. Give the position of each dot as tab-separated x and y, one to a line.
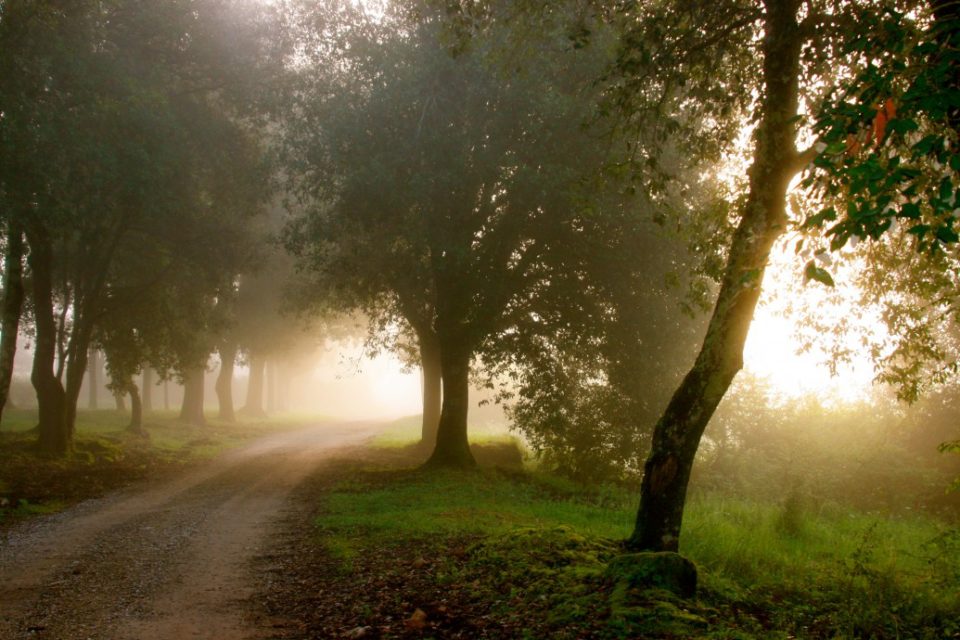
947	235
813	272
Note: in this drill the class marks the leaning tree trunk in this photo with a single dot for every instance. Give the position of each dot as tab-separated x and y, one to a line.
54	436
93	378
677	434
146	393
191	411
224	384
254	404
453	449
432	380
12	308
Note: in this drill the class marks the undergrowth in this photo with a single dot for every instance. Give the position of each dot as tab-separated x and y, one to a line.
531	550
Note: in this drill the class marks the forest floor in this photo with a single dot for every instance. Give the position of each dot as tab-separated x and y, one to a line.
166	558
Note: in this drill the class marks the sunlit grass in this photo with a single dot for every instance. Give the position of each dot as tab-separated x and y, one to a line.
407	431
825	572
106	455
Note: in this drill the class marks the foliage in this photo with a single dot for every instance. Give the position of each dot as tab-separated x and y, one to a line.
887	150
875	456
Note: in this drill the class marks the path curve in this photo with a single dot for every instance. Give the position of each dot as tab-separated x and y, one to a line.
165	561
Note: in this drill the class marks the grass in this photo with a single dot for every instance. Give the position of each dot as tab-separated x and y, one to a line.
106	456
537	548
407	431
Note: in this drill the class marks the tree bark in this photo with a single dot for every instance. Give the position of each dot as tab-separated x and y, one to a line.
191	411
93	378
453	449
677	434
78	349
136	410
224	384
146	392
254	404
12	308
120	400
432	387
54	436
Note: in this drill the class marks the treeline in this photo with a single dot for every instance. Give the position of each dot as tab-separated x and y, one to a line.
543	198
136	189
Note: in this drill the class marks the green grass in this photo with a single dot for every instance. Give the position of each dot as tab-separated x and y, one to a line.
767	570
407	431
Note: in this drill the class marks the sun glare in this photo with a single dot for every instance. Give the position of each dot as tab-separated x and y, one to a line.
773	345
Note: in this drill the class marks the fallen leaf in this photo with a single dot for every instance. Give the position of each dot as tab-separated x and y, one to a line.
417	621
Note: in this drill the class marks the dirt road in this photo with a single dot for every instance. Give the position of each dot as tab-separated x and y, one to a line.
167	561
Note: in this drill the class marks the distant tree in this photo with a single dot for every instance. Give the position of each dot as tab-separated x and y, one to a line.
108	138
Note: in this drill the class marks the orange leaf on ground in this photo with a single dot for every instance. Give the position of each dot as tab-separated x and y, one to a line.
417	621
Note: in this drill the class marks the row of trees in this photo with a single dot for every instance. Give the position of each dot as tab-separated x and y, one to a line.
135	195
532	195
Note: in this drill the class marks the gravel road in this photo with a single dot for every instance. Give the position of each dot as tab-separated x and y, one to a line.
163	561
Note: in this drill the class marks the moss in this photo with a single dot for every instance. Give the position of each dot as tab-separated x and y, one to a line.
660	570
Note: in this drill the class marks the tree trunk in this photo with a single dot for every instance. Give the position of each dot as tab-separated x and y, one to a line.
453	449
677	434
93	378
432	387
166	395
77	349
136	410
54	436
191	411
224	385
12	308
146	392
120	400
254	405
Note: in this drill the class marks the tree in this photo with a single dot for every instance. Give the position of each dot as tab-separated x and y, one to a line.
672	76
431	203
138	103
13	294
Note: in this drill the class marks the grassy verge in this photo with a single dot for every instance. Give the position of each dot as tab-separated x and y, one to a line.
107	456
511	553
406	432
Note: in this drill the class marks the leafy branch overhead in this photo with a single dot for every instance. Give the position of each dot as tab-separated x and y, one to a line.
889	144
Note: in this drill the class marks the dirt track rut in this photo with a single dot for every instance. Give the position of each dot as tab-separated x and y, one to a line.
167	561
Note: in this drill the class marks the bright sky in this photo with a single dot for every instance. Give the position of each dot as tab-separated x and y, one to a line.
347	383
